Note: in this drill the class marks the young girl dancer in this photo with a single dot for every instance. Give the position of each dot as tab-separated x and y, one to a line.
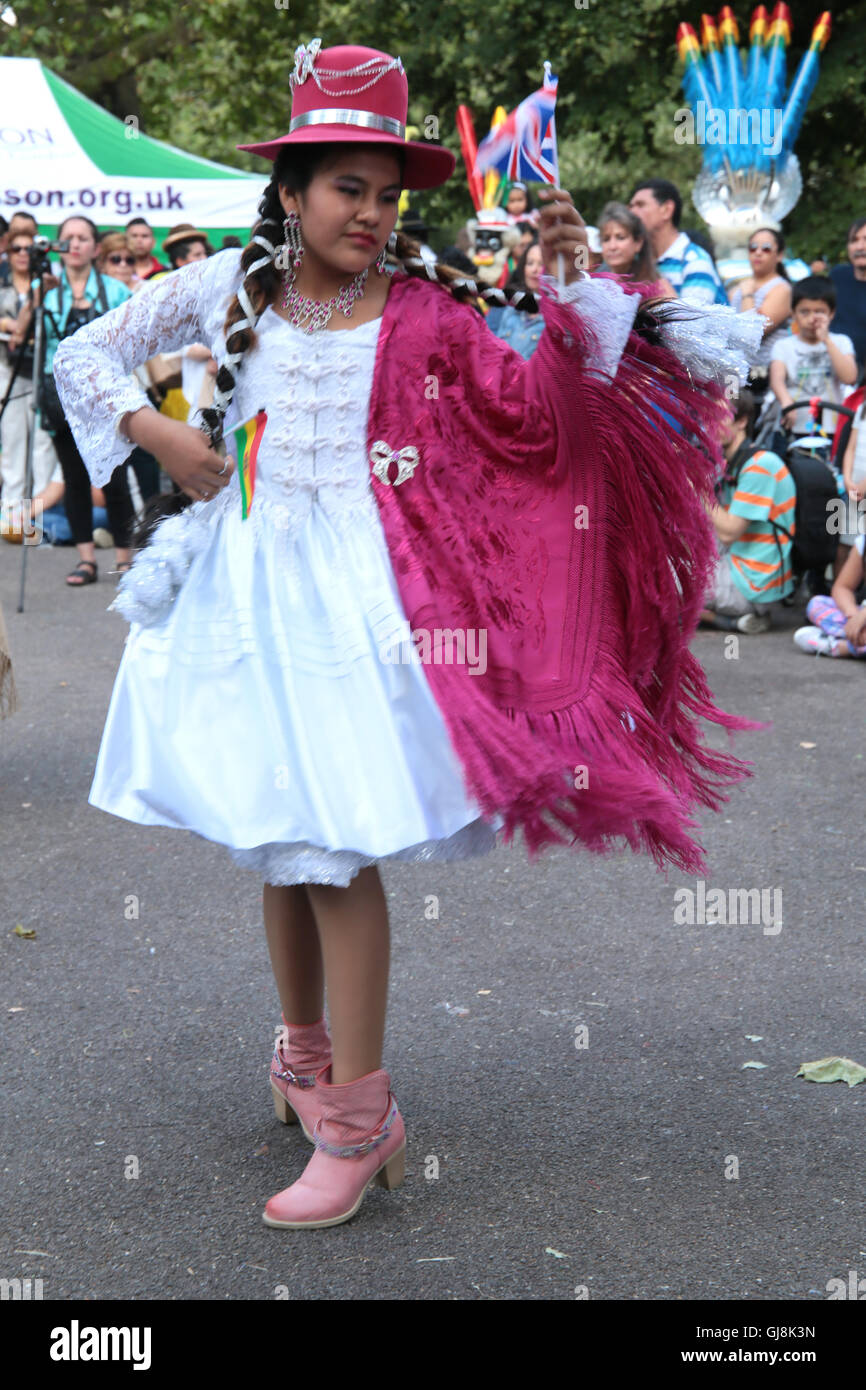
416	478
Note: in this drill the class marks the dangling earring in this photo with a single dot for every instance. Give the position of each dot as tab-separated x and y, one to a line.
295	247
294	240
391	246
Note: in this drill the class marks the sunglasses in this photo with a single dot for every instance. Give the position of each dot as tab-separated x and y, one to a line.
18	250
752	247
121	260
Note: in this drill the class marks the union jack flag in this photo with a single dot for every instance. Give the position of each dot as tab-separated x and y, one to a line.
524	146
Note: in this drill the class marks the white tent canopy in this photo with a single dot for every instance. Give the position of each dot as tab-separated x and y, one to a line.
61	154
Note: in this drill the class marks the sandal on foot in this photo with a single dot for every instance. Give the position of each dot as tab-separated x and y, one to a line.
124	567
81	574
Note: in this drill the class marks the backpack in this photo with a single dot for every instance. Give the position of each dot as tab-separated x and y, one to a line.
812	545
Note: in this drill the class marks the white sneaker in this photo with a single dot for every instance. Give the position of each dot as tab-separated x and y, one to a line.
813	640
753	623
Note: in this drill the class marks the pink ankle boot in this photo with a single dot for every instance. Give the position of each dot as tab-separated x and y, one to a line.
360	1137
301	1051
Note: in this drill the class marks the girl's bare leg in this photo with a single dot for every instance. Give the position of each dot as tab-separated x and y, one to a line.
354	937
296	959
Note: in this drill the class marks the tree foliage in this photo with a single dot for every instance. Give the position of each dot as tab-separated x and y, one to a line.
211	74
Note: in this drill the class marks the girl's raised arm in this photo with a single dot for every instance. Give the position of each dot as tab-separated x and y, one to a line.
92	368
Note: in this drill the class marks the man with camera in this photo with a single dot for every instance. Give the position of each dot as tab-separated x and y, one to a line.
17	385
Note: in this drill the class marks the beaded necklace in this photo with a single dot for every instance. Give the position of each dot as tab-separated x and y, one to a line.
317	311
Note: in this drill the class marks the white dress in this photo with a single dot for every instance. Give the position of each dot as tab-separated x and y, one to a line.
277	706
270	696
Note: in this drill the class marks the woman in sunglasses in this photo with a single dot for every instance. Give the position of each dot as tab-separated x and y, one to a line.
767	289
117	260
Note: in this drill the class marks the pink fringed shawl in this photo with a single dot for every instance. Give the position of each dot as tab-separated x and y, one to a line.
584	727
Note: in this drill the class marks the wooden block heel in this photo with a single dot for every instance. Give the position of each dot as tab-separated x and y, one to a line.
283	1110
393	1172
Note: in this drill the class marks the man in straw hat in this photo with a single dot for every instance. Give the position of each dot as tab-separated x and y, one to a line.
185	243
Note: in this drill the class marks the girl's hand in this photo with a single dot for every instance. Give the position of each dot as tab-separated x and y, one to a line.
189	460
561	230
184	452
855	629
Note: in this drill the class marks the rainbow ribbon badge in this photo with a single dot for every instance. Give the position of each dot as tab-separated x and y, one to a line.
247	438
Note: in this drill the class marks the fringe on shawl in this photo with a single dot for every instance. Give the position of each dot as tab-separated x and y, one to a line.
626	761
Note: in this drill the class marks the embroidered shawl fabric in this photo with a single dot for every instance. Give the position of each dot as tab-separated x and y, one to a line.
557	511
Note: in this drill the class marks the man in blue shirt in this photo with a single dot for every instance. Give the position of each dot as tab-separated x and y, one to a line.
850	282
688	267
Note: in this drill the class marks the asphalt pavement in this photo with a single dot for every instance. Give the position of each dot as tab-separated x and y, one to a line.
568	1054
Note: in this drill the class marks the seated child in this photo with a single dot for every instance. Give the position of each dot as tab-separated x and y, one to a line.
46	511
840	622
812	361
754	568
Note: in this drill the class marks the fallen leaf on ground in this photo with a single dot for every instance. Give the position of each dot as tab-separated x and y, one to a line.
833	1069
27	932
758	1066
549	1250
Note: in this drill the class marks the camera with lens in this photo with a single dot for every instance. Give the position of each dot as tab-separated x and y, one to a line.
41	248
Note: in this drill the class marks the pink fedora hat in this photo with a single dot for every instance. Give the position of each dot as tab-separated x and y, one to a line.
356	95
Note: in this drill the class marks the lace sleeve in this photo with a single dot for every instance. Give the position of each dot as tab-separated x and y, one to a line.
714	343
93	367
604	307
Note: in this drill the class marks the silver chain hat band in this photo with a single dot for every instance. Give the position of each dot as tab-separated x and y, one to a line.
305	58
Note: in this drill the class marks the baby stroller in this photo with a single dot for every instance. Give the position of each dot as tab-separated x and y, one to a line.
817	473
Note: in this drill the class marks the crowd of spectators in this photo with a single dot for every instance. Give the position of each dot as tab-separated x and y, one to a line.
97	271
813	349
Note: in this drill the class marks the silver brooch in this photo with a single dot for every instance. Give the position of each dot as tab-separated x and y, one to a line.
382	456
304	59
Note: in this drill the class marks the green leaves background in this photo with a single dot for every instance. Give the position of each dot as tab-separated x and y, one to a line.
212	74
